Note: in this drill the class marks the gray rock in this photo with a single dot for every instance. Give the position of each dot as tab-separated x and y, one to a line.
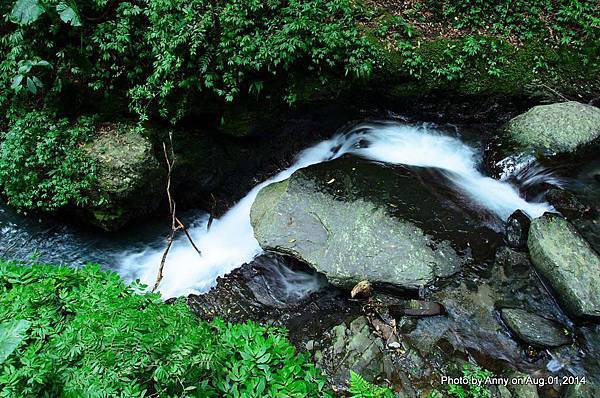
130	179
522	390
567	129
556	128
354	220
533	329
569	264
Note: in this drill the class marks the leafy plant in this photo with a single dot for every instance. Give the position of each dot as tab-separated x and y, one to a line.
360	388
91	335
42	164
11	335
163	53
472	372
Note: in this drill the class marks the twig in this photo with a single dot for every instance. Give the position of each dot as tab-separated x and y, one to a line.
553	91
176	224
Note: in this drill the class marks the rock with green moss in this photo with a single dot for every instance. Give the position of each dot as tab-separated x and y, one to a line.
569	264
545	132
534	329
131	181
555	129
354	220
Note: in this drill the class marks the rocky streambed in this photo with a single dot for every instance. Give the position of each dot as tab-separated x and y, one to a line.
441	276
388	250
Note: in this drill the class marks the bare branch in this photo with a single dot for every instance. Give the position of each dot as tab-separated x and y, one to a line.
176	224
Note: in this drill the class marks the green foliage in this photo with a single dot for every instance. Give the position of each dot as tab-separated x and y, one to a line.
360	388
471	372
11	335
474	45
42	164
162	53
93	336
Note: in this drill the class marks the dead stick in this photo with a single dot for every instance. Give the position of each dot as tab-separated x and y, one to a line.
176	224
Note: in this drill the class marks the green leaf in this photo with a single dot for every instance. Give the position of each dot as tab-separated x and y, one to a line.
68	14
11	335
31	86
25	12
16	82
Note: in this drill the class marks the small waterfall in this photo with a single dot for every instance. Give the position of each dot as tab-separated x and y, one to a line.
230	241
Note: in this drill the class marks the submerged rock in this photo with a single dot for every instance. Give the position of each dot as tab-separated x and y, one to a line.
353	220
416	308
568	263
131	181
544	132
533	329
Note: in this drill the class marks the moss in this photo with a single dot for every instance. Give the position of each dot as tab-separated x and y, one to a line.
527	70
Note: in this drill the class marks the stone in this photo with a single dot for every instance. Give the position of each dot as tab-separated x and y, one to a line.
362	290
556	128
545	133
417	308
517	229
131	181
352	220
533	329
568	263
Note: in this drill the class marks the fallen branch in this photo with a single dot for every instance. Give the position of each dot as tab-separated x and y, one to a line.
176	223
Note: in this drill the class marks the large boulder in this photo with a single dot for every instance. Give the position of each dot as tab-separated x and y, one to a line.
569	264
544	132
131	181
354	220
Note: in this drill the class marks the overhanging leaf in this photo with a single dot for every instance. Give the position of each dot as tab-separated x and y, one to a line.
11	335
31	86
16	82
68	14
25	12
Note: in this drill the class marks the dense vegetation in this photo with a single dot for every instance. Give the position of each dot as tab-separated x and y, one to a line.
167	59
477	46
84	333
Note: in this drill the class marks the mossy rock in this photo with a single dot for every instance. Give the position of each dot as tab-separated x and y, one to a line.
131	181
354	220
569	264
548	133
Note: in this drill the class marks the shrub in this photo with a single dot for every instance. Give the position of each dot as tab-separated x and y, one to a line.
42	165
162	52
360	388
88	334
471	372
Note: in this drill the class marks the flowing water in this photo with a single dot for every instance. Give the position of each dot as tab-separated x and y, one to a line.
230	241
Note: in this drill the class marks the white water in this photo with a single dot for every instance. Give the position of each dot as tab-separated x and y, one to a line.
230	241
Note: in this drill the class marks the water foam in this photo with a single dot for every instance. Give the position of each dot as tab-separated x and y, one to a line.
230	241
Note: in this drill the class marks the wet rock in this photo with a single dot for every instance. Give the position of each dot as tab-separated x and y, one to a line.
581	390
362	290
522	390
567	204
517	230
354	347
130	179
353	220
417	308
533	329
275	290
571	267
544	132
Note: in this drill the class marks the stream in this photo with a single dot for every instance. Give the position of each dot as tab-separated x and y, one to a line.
269	288
135	252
